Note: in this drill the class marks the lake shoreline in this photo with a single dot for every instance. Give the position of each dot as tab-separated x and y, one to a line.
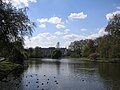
6	67
87	59
98	60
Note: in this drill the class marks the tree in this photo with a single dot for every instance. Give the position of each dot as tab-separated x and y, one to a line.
85	51
16	56
104	45
113	27
88	48
109	45
14	25
30	52
75	48
37	52
56	54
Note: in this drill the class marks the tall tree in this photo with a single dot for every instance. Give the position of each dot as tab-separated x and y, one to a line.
109	45
14	25
88	48
113	27
76	47
37	53
56	54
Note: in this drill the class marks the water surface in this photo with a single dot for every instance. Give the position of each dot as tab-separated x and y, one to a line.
64	74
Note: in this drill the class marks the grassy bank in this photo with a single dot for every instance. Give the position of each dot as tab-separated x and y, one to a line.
78	58
6	67
82	58
97	60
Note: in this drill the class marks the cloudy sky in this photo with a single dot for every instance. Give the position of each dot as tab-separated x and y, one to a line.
65	21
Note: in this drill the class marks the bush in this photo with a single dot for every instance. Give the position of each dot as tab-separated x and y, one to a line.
56	54
16	56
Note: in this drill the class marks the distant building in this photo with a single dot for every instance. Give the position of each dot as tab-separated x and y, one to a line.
63	50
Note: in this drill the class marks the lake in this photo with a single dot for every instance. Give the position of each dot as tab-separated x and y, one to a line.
64	74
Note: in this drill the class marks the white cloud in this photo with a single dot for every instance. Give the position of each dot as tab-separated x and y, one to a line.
42	40
100	33
42	26
48	40
66	31
110	15
60	26
62	33
66	44
20	3
42	20
58	33
83	29
73	37
80	15
53	20
118	7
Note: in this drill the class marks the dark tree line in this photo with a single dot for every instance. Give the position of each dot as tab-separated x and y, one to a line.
39	52
34	52
82	48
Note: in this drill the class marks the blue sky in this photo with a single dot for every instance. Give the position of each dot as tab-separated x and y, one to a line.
65	21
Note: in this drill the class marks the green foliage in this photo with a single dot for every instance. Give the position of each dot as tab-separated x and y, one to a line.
74	54
16	56
88	48
85	51
115	51
6	67
14	25
103	46
37	52
109	45
56	54
82	48
75	48
113	27
30	52
49	55
34	52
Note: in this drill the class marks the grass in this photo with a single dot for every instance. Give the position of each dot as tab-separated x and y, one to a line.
77	58
6	67
97	60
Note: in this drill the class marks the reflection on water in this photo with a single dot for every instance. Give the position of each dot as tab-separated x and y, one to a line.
64	74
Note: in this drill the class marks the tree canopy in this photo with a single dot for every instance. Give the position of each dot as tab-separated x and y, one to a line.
56	54
14	26
113	27
109	45
14	23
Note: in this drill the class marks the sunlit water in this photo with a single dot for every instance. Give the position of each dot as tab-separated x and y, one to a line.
64	74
